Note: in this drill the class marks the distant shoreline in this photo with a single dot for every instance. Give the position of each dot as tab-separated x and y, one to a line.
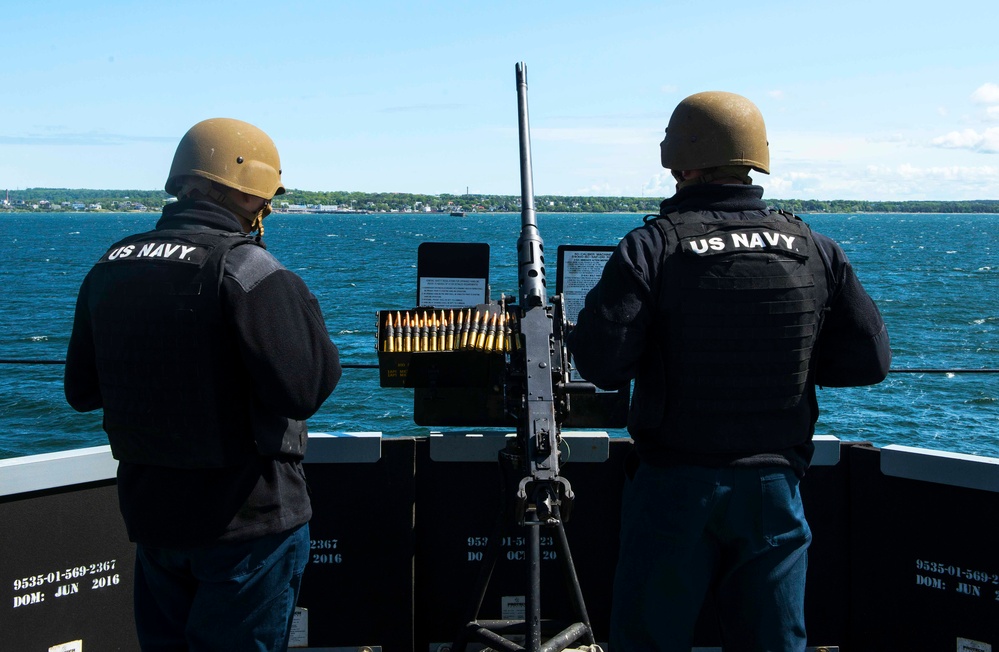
68	200
4	212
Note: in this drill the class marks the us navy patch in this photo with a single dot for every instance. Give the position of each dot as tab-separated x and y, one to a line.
744	240
156	250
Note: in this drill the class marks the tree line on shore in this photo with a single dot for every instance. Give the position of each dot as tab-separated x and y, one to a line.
68	200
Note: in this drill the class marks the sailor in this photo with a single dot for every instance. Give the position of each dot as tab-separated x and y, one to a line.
726	314
207	355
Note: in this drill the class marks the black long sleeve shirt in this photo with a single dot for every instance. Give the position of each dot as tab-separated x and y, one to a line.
286	366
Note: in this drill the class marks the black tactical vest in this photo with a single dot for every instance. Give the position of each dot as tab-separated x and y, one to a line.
742	303
167	373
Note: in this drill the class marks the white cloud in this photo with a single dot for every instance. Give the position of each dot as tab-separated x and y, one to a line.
881	182
987	93
801	185
985	142
662	184
945	173
966	139
777	95
599	190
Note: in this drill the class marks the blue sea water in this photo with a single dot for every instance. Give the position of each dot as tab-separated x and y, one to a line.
934	277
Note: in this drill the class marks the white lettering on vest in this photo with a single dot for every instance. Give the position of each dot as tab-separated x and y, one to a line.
701	246
121	252
742	240
755	240
164	250
748	240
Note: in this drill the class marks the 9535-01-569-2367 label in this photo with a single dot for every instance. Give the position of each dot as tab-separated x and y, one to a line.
973	582
61	582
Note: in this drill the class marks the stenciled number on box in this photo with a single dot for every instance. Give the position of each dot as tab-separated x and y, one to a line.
975	583
513	546
325	551
61	582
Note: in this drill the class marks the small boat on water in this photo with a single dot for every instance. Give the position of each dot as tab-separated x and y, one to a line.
457	213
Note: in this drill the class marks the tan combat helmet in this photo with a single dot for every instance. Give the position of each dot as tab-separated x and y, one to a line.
230	152
715	129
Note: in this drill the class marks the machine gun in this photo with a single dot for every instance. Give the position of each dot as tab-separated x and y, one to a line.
516	373
542	496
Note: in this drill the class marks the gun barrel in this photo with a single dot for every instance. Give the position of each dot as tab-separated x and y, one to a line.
530	246
526	173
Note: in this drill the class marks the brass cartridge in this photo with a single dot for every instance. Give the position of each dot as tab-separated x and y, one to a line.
441	330
466	326
388	336
407	335
491	334
449	341
480	342
398	331
474	330
424	333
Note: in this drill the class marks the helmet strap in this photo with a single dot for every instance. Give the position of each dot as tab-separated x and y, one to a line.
257	223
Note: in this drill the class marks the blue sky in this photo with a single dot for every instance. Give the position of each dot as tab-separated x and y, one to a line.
863	100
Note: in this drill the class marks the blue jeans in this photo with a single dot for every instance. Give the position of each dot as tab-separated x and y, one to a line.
738	533
235	596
